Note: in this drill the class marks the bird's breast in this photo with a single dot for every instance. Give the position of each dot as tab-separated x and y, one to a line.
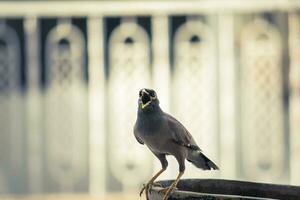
152	130
149	125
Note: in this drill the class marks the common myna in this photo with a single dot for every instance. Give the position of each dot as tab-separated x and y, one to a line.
164	135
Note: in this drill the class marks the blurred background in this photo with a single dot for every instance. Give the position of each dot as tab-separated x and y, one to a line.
70	72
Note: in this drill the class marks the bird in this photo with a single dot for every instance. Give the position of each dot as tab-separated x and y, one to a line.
164	135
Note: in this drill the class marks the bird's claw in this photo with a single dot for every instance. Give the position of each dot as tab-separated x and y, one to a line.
146	188
167	191
142	190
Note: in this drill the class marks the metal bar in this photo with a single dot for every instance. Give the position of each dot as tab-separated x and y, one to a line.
108	8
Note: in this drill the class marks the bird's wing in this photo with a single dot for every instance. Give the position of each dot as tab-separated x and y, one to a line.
136	135
180	134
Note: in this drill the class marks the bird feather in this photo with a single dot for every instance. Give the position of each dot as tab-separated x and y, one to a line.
136	135
180	134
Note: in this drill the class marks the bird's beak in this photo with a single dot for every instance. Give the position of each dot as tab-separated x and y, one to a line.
145	105
144	92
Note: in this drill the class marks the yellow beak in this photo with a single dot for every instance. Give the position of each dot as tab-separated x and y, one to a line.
146	104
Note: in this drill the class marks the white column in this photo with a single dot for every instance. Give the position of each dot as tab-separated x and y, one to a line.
294	108
97	124
227	84
161	65
33	107
161	77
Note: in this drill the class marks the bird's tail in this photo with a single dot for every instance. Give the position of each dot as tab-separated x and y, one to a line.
201	161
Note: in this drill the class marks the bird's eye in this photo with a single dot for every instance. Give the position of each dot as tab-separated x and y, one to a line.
152	94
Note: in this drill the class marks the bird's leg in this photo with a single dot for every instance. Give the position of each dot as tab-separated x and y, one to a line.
148	185
164	165
172	186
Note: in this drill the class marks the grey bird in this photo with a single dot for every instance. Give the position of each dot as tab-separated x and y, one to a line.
164	135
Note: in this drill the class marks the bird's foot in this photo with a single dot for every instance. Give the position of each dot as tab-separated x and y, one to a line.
167	191
146	188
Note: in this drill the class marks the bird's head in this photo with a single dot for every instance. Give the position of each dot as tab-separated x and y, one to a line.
148	100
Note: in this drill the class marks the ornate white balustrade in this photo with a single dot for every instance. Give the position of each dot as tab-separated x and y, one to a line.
70	74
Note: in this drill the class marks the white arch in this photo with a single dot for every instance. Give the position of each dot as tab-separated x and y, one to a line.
194	91
262	106
66	105
129	72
